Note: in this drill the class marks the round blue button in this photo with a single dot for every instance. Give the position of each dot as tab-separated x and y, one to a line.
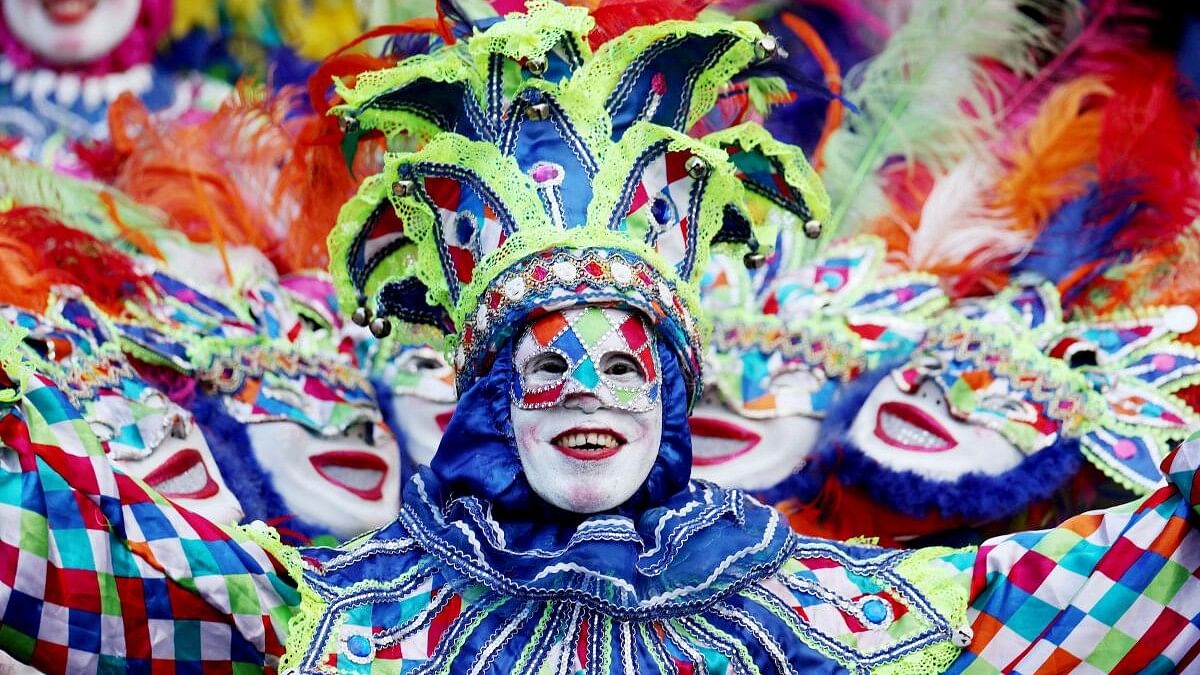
874	610
359	645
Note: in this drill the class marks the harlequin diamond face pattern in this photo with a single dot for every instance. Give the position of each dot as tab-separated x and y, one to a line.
587	341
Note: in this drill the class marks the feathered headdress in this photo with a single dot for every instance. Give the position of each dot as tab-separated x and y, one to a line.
554	175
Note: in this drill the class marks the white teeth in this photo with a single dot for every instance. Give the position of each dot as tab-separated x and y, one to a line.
185	483
908	433
359	479
591	438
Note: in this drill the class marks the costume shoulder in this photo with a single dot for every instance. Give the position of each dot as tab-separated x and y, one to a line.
1108	591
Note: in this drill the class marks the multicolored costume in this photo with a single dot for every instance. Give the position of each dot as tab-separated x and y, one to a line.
557	213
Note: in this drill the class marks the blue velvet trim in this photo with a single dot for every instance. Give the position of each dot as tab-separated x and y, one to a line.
230	445
975	496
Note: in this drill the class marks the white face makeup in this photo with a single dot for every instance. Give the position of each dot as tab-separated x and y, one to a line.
71	32
750	454
915	432
151	438
423	400
347	484
587	411
183	470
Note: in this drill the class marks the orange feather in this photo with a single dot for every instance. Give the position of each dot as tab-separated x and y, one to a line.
1054	158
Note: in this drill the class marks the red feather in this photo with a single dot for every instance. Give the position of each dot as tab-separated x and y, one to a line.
1148	145
1107	35
615	17
53	253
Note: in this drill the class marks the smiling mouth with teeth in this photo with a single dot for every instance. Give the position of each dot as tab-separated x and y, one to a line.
359	473
183	476
907	427
589	444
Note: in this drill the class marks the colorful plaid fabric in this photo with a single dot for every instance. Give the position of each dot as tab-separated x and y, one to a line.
99	574
1113	591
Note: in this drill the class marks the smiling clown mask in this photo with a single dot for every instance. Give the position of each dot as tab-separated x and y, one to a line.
146	435
284	404
1003	396
787	336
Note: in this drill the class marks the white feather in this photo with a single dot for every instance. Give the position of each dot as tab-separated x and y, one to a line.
928	97
958	225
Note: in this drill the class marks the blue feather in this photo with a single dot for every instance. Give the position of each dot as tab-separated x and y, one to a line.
1080	233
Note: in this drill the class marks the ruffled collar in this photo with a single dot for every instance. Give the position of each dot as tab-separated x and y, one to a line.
698	545
68	89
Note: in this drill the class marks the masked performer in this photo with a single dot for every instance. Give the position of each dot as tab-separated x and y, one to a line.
556	529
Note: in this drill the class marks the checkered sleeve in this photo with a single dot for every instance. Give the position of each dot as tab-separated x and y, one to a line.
1113	591
100	574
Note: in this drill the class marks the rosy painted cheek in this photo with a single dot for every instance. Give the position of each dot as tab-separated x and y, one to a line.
528	437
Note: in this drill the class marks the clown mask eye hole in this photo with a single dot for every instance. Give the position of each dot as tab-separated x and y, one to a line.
423	364
545	368
363	431
1012	408
1083	358
623	369
798	379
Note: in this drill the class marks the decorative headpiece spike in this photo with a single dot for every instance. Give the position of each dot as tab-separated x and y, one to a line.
551	176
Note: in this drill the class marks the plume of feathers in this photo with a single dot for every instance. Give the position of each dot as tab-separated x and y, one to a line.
39	251
1099	37
1053	158
1148	142
85	205
252	174
930	97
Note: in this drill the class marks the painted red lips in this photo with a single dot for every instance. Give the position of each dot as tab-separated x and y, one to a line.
589	444
717	441
359	473
907	427
66	12
183	476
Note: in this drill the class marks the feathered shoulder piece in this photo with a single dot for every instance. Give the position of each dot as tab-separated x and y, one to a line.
552	174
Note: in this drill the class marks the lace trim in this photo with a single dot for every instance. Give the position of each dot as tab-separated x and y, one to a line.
302	626
942	586
532	34
12	362
361	100
797	172
600	77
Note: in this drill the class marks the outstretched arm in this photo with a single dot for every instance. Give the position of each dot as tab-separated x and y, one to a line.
1115	591
99	573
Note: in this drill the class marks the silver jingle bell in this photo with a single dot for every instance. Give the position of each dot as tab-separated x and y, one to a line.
536	65
696	168
767	47
538	111
361	316
812	229
348	124
962	636
754	260
402	188
381	327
